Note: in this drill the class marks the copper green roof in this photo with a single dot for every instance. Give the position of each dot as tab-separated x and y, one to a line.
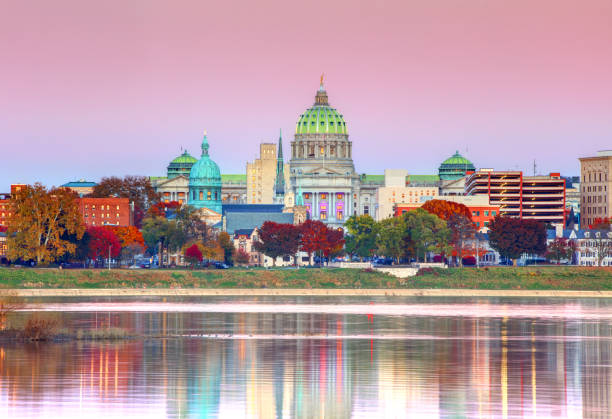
422	178
373	178
455	167
321	118
184	158
233	178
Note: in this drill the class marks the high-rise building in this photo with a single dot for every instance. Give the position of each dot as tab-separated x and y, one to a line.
532	197
595	187
267	176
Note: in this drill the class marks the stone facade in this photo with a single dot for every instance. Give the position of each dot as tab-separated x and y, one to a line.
595	187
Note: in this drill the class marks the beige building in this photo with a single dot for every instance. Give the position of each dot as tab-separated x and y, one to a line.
595	187
261	175
396	192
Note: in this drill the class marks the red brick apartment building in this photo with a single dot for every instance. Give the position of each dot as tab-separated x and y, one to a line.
531	197
98	212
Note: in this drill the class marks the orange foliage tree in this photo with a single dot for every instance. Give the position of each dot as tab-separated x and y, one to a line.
128	236
39	221
445	209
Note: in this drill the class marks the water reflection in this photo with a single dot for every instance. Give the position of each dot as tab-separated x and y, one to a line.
385	366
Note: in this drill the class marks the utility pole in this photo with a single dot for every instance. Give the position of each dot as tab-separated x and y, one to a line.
109	255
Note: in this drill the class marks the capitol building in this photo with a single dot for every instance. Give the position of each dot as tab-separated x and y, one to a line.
322	173
319	180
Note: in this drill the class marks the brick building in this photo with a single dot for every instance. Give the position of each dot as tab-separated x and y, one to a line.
106	211
595	187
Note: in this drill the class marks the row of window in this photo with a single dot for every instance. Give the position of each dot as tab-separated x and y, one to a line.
322	123
595	199
486	213
597	210
596	177
93	215
93	207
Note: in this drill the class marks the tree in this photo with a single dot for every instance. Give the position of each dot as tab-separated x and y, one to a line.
312	237
128	236
163	209
137	189
462	231
39	220
393	237
428	232
276	240
560	248
193	254
334	243
512	237
242	257
361	237
446	209
155	231
225	242
103	243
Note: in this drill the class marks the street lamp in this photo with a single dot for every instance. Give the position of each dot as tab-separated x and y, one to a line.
109	255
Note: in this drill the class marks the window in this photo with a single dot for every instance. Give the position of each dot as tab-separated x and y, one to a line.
93	207
493	213
117	207
201	195
117	215
306	196
339	196
323	196
366	210
486	213
339	215
323	215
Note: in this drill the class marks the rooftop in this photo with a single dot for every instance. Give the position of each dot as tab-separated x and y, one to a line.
82	183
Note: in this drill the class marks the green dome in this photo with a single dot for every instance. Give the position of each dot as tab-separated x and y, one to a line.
184	158
455	167
181	165
321	118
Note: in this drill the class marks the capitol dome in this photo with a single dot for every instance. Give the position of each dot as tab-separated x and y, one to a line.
181	165
205	182
455	167
321	118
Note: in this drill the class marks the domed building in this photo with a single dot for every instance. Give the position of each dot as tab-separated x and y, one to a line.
455	167
205	182
181	165
322	174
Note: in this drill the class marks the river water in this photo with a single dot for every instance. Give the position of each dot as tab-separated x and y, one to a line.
317	357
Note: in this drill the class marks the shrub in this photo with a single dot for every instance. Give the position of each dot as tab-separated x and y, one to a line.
38	328
469	261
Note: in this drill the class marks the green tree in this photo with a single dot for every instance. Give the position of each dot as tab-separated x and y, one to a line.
393	237
40	222
462	231
225	242
361	238
428	233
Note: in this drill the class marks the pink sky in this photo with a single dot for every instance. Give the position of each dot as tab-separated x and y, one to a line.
90	89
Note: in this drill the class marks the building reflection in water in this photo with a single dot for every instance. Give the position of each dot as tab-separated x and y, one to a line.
315	365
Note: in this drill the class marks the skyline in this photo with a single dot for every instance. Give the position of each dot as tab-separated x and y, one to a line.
116	89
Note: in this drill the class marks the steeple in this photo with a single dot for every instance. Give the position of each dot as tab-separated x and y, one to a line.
205	145
279	183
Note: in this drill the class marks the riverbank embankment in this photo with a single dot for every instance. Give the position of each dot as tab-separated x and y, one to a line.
536	278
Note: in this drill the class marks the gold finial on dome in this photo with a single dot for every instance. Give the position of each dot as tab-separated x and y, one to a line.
322	75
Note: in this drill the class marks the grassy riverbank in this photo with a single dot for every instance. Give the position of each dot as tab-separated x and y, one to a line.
493	278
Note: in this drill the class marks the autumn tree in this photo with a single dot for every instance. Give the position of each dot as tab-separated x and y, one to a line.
275	240
103	243
163	209
193	254
137	189
512	237
462	232
242	257
312	237
446	209
361	235
559	249
128	235
39	220
333	244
